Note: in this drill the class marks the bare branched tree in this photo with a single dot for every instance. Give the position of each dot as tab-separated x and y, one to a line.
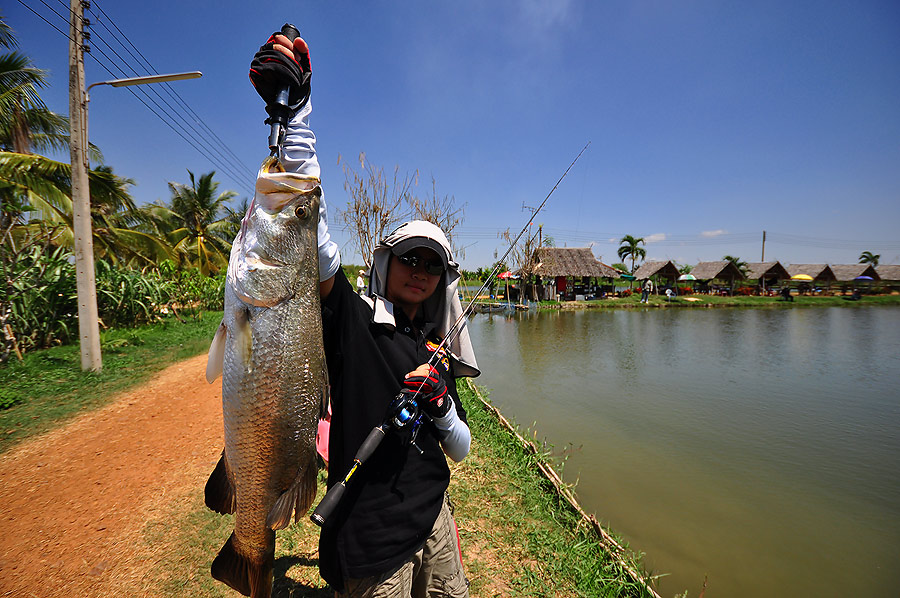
376	204
523	255
441	211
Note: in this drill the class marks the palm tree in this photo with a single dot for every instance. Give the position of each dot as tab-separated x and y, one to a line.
25	122
630	248
739	264
196	222
867	257
43	187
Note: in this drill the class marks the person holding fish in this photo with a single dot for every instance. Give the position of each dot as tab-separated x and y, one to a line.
393	533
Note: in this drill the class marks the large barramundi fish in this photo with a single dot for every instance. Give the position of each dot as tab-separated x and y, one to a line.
269	352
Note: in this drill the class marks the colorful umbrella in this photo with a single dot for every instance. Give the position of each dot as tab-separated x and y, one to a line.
505	275
863	278
805	277
687	277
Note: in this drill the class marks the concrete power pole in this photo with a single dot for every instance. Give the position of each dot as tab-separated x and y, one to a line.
763	247
88	320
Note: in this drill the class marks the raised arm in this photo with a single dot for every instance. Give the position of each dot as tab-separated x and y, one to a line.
278	61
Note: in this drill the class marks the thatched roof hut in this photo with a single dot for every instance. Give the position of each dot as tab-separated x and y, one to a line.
657	268
849	272
723	269
820	272
576	261
767	270
889	272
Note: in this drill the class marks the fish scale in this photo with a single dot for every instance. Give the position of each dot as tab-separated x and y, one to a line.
270	354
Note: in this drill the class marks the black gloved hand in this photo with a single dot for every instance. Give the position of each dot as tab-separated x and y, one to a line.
271	69
430	392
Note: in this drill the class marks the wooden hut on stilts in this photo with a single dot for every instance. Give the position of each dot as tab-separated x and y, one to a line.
569	273
721	270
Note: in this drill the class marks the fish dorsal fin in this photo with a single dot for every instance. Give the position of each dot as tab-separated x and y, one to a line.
298	498
216	359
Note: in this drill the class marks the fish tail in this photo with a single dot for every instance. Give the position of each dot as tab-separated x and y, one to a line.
242	573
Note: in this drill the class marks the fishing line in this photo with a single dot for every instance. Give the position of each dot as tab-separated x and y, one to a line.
454	330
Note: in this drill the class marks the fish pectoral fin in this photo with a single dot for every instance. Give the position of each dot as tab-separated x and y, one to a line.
243	339
297	499
242	573
216	359
219	492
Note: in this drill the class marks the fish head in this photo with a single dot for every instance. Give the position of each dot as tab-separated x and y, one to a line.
278	242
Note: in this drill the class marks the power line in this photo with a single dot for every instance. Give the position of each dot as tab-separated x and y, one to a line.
169	115
171	90
41	17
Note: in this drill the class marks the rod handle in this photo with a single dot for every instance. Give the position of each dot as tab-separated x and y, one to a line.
334	494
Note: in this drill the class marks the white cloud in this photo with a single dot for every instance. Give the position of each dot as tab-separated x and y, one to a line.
655	238
713	233
541	15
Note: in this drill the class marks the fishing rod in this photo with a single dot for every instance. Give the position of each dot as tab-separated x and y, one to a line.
455	329
404	411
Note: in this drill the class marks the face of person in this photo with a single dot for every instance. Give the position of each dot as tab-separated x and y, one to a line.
408	286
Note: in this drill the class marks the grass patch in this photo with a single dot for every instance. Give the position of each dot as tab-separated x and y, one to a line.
49	387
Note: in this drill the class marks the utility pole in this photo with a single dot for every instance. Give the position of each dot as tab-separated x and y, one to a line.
88	319
763	247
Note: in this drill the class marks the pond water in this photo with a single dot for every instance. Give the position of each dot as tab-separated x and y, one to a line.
758	448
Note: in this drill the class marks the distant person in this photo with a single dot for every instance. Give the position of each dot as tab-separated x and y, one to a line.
669	294
646	289
361	283
786	294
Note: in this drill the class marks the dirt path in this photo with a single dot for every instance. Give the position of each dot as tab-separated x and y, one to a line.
73	502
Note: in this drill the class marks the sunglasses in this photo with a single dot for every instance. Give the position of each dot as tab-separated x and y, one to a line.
432	267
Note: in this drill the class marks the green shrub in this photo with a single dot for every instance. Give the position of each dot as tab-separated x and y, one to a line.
128	298
39	300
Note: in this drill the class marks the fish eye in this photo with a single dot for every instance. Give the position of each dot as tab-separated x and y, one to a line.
301	211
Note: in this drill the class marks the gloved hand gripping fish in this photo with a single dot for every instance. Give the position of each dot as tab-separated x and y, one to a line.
269	352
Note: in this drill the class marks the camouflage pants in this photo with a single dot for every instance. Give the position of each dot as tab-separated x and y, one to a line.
435	570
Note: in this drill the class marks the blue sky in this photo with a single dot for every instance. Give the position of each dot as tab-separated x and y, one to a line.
709	122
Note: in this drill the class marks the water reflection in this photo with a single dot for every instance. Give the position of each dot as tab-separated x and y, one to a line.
758	446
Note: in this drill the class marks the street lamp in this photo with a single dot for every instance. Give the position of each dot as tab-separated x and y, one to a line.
83	239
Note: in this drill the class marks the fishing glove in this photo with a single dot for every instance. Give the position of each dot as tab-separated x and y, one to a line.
430	392
270	70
